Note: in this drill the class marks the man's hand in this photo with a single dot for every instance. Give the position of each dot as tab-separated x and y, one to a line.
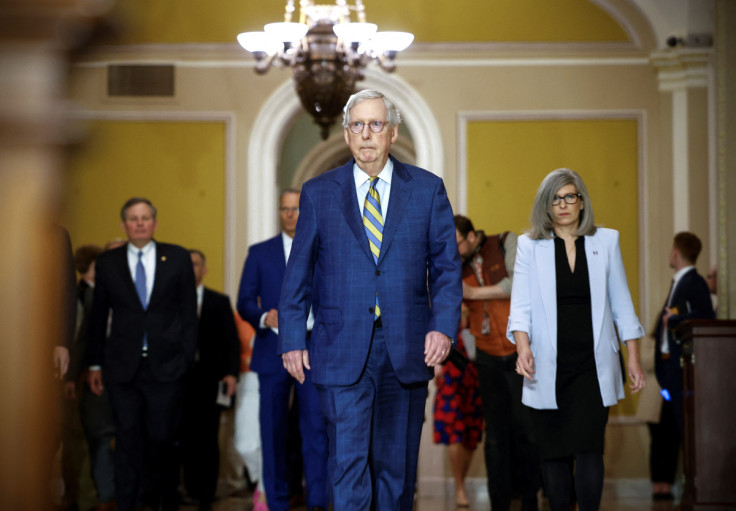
231	383
61	361
469	292
70	390
666	316
94	378
436	348
295	362
272	319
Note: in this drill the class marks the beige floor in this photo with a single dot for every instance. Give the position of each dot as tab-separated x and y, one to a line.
613	500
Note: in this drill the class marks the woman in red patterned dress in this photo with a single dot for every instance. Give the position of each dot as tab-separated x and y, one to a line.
458	417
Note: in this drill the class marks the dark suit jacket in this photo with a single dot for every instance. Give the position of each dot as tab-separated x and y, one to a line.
77	362
170	321
217	342
692	299
260	287
417	277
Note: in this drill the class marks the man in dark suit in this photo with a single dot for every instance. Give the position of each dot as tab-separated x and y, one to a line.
376	258
216	365
689	298
258	301
149	289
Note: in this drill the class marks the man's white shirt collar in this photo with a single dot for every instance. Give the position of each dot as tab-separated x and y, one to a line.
383	187
680	273
146	249
361	177
288	242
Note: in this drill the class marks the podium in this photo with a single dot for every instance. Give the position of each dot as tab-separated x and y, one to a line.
709	403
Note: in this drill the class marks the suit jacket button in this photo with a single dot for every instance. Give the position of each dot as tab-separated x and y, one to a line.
371	310
378	273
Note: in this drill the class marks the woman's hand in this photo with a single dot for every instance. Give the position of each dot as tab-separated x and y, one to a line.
525	360
636	375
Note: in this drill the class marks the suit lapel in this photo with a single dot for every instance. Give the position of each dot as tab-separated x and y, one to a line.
162	263
545	262
598	289
349	206
400	195
278	255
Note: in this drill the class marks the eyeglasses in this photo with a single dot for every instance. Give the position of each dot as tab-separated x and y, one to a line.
289	210
375	126
570	198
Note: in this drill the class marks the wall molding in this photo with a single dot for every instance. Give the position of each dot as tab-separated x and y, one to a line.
230	271
640	116
274	121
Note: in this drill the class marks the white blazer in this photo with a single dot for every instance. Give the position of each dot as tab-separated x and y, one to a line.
534	311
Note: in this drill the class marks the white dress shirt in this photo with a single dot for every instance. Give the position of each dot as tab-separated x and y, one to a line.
288	242
383	187
665	345
200	298
149	264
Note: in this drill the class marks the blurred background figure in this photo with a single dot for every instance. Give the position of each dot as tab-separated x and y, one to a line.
258	302
149	288
247	425
688	298
208	386
94	411
458	416
512	459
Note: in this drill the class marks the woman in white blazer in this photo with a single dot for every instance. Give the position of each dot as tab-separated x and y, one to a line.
569	291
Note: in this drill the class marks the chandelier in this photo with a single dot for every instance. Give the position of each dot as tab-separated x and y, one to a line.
326	51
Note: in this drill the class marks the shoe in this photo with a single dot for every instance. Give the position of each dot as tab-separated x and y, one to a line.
296	500
663	496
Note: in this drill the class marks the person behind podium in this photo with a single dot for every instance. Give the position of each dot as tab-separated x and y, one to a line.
689	298
568	297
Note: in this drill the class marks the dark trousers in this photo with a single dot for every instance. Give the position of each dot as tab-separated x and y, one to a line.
147	413
512	459
99	429
275	390
374	429
664	446
199	445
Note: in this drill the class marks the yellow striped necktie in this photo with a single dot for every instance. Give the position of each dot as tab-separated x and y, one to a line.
373	223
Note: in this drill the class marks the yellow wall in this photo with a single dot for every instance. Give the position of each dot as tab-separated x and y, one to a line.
179	166
144	21
507	161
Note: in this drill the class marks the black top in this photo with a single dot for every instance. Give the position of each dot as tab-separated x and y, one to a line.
579	423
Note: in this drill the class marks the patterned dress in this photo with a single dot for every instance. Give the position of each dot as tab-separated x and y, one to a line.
458	416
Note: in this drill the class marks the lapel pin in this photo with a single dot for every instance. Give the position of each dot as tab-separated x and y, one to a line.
163	258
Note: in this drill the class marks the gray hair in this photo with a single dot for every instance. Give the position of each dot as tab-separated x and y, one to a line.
394	117
542	219
132	202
